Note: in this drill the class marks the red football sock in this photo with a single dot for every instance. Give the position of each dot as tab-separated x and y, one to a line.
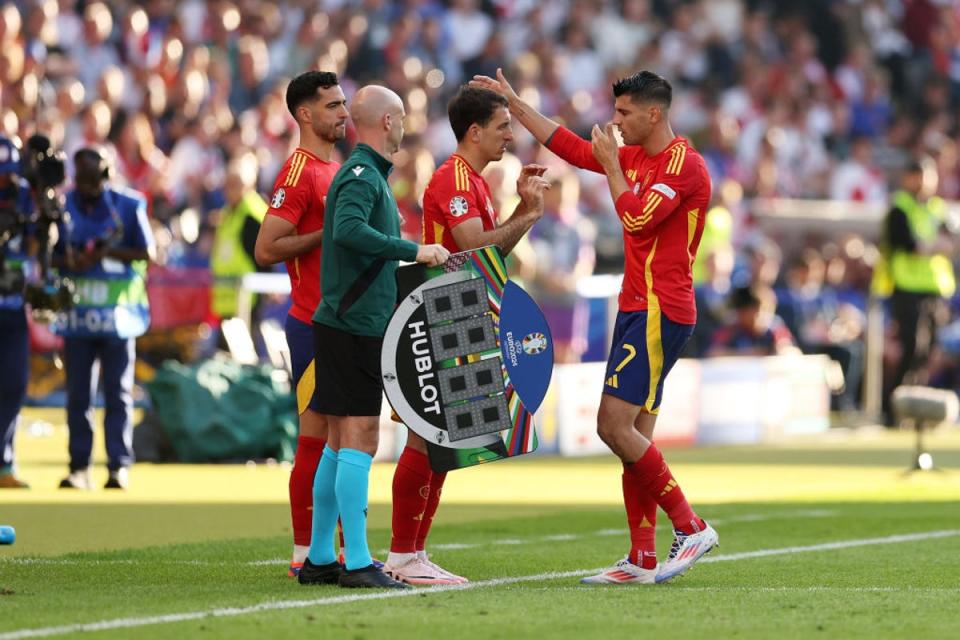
305	464
642	519
654	475
411	488
436	487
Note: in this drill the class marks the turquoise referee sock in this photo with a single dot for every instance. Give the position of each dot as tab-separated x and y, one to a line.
353	480
325	510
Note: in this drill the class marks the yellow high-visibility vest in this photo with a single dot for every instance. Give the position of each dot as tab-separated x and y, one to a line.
229	262
915	273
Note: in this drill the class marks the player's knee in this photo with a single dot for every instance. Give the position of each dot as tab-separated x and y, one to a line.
606	429
415	442
314	425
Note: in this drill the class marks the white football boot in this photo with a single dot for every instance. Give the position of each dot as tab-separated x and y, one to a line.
624	572
408	568
686	550
422	555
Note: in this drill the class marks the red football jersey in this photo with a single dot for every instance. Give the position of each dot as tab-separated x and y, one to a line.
662	215
299	197
456	193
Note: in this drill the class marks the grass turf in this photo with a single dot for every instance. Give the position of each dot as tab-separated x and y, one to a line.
189	539
882	590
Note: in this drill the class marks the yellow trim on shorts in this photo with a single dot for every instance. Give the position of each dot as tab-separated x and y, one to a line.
306	385
654	337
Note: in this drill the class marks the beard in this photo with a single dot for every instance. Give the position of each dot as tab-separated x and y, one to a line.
332	133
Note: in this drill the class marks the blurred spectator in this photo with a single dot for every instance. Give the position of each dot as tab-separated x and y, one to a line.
755	329
814	314
758	263
617	37
470	28
712	295
235	237
858	178
253	62
139	161
563	243
183	89
92	52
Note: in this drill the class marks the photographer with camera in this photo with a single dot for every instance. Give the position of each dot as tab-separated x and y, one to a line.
104	246
16	208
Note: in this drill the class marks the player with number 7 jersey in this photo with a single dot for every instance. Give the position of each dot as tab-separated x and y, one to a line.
661	189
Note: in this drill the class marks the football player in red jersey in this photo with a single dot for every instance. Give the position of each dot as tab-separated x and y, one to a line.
291	232
661	189
458	213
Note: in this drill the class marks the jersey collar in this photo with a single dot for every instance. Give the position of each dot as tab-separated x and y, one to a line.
309	154
466	162
382	164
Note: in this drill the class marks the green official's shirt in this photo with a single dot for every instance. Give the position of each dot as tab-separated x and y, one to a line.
361	247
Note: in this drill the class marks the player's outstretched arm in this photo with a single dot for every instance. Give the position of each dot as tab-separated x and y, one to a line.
560	140
277	241
469	234
532	120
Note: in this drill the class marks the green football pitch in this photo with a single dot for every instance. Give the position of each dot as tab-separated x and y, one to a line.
819	538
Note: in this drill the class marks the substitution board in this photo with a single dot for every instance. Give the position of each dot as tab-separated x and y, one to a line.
467	359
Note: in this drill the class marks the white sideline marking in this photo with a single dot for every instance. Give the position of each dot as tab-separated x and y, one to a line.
450	546
454	545
127	623
567	537
829	546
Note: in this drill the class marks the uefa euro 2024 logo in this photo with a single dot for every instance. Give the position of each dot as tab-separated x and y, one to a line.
534	343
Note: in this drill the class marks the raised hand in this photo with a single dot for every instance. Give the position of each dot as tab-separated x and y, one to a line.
500	85
432	255
605	148
530	187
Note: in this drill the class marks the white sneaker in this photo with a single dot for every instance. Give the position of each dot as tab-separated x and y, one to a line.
79	479
415	571
624	572
686	550
422	555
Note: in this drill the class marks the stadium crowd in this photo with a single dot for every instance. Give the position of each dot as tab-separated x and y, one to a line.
825	99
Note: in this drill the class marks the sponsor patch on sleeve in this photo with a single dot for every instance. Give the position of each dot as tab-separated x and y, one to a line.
278	196
665	190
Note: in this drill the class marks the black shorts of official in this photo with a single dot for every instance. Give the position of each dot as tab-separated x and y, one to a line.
347	372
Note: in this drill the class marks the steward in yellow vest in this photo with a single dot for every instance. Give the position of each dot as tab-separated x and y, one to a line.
916	271
233	244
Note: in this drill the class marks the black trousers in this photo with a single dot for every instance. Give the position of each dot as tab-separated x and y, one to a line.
916	315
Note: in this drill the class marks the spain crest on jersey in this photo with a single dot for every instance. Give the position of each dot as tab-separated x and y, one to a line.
467	359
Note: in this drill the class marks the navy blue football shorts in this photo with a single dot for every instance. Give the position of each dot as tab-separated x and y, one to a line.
300	342
646	345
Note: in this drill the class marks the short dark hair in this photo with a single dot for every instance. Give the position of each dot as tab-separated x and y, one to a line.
745	298
91	165
304	87
645	86
473	105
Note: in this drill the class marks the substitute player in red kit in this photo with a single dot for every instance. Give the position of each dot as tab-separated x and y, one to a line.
661	189
292	232
458	213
